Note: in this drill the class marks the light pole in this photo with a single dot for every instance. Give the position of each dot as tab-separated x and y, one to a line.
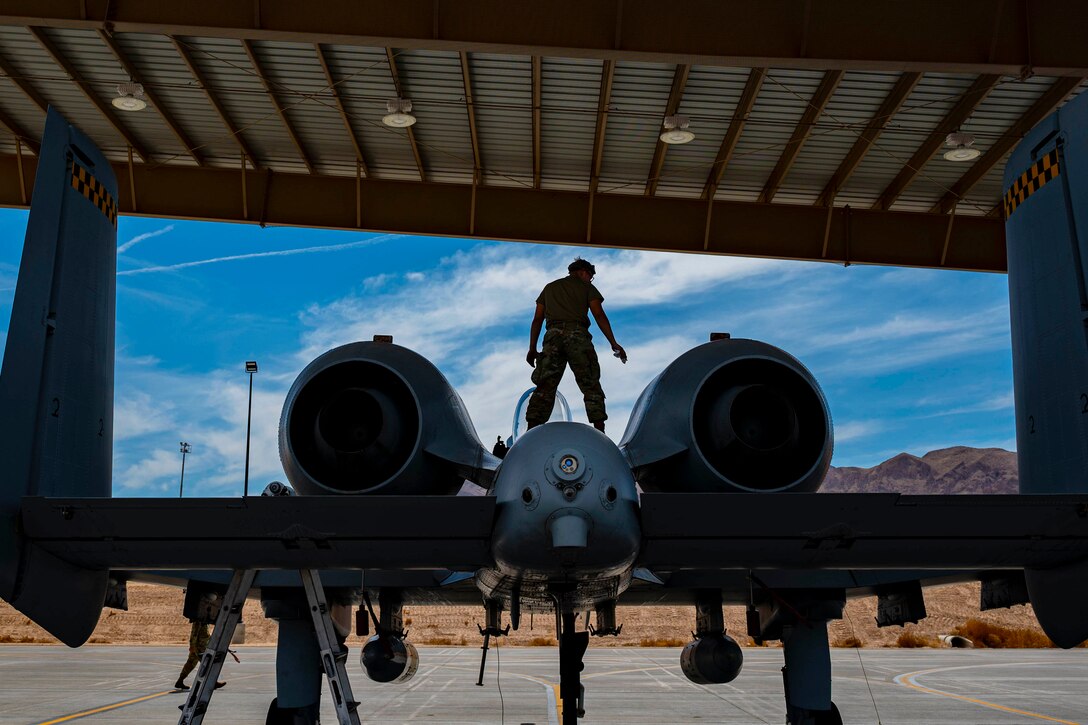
251	368
185	448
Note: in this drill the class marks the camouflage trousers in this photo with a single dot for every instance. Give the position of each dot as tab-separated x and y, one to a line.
566	344
199	637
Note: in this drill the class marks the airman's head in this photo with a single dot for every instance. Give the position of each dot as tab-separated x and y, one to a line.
582	269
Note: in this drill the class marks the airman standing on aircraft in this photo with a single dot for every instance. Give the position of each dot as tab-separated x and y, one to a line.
565	303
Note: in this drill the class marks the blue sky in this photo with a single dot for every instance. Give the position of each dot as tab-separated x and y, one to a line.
910	360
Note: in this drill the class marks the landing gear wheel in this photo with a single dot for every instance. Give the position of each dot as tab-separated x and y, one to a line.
572	648
292	715
799	716
829	717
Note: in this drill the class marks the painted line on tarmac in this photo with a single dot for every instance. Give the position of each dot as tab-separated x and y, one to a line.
555	706
107	708
908	680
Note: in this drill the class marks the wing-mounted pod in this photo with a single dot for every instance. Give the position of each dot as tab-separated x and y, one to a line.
378	418
730	415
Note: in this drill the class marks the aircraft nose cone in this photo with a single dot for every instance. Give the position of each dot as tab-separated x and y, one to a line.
569	529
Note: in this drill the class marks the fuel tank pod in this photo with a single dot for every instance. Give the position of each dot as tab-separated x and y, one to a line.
378	418
730	415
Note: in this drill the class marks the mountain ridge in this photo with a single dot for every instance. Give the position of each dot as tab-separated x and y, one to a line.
955	470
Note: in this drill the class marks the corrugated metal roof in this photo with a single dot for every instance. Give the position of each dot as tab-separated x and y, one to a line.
570	89
710	98
502	89
183	98
362	76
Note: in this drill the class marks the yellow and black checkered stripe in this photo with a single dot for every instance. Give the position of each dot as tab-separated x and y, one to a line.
1031	181
93	190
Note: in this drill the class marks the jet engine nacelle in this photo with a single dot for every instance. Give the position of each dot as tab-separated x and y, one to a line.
389	659
730	415
373	417
712	660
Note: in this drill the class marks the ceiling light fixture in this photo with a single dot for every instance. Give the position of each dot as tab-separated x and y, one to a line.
400	115
959	144
130	97
676	130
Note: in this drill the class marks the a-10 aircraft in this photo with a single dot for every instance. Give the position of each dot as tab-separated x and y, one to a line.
728	446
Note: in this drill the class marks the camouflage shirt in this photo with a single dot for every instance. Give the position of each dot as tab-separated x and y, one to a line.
567	300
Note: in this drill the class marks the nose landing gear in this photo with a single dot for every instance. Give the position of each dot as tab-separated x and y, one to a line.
572	648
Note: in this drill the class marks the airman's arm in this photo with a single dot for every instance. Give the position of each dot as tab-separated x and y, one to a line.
534	334
602	322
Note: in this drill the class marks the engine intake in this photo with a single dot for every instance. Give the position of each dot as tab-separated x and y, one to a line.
730	415
378	418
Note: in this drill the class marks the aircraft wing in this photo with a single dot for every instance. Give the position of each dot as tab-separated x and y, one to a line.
694	531
281	532
688	531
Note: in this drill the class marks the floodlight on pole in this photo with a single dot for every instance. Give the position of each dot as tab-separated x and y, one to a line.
185	449
251	369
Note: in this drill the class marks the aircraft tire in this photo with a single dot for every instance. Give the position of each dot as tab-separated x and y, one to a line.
291	715
829	717
801	716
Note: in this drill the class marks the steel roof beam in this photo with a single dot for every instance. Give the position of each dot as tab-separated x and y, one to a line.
604	99
273	96
679	80
953	119
736	127
103	107
1002	38
152	96
868	136
1051	99
202	81
477	161
801	132
392	59
537	74
344	116
625	221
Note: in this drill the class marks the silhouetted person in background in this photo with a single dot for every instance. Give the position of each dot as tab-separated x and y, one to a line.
199	636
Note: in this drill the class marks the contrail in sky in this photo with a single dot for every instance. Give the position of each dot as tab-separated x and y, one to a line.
254	255
141	237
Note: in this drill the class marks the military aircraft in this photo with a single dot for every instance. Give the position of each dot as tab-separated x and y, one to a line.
708	499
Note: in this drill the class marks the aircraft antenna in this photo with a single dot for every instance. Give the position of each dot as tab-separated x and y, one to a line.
864	674
498	685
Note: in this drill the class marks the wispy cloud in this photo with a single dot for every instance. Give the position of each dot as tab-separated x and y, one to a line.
256	255
143	237
857	429
991	404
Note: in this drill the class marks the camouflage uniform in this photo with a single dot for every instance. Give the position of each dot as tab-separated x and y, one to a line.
566	343
199	637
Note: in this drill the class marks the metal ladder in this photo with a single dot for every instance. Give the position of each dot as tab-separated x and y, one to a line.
333	654
211	660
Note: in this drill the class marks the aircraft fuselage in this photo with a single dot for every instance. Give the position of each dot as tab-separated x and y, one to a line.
567	525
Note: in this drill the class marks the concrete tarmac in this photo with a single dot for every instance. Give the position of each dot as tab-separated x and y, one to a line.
114	684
